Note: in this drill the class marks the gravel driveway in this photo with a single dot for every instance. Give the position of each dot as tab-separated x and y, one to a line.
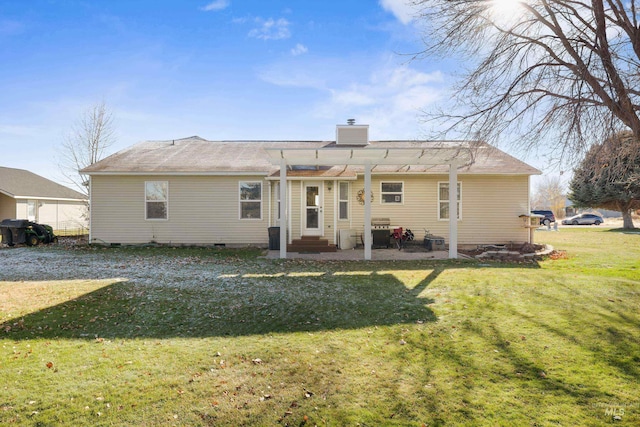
152	268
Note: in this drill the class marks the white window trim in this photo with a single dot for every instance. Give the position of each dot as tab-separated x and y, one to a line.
348	200
146	201
447	201
382	202
240	201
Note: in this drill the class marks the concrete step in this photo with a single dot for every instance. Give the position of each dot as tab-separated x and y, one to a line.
311	244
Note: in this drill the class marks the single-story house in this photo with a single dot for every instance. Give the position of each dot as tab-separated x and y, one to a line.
199	192
25	195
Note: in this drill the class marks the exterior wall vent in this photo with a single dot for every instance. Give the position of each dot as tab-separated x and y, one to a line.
352	134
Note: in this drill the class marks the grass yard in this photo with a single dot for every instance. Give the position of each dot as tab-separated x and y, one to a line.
209	337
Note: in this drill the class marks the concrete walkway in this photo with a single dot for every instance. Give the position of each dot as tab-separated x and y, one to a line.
358	255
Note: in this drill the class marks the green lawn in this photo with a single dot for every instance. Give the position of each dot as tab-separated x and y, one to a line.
158	336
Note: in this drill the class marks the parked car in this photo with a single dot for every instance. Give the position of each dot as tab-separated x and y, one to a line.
583	219
549	217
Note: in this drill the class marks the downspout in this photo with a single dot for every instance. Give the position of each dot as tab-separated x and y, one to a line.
269	204
283	210
289	207
453	210
336	209
90	209
367	211
529	231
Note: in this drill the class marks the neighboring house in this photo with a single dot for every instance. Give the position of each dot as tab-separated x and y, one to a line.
194	191
25	195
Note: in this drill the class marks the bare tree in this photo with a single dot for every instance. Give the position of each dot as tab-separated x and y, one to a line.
555	70
86	143
550	194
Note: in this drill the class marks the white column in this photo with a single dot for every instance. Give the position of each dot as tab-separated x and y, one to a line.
367	211
453	211
283	209
336	211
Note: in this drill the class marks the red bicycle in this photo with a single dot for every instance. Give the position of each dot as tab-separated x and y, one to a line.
402	237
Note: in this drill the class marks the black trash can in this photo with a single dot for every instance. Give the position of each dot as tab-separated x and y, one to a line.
274	238
428	245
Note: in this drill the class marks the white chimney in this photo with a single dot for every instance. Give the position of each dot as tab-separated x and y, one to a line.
352	134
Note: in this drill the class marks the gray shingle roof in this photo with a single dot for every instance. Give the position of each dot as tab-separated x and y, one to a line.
22	183
195	155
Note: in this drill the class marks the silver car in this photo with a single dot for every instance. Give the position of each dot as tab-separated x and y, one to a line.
583	219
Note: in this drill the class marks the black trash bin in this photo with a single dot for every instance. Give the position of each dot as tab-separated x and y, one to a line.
274	238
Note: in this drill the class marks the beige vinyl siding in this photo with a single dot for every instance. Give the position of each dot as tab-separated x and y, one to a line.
275	195
21	209
328	209
62	214
295	209
56	213
205	210
490	207
7	207
415	211
202	211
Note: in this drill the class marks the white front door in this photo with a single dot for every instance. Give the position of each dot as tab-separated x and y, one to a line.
313	219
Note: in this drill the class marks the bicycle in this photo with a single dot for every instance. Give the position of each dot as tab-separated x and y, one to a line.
401	237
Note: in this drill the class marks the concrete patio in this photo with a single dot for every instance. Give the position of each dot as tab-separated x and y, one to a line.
390	254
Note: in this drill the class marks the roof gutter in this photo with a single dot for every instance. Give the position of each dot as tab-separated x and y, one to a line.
174	173
60	199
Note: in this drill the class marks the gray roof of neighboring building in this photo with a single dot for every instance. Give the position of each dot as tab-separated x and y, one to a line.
22	183
195	155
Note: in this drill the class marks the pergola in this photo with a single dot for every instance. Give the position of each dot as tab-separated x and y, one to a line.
369	157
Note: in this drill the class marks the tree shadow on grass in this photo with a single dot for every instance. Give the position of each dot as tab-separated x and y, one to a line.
300	300
624	230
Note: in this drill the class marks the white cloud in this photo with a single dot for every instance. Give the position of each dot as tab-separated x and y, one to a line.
401	9
271	29
288	75
215	5
391	100
299	49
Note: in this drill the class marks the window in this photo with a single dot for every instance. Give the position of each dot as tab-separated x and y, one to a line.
250	200
156	198
391	192
343	200
443	200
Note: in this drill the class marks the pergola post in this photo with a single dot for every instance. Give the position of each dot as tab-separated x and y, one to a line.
453	210
283	209
367	211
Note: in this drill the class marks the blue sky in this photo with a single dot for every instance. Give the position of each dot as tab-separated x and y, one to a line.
220	69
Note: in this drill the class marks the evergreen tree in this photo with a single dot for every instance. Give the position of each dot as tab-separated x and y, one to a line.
609	177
